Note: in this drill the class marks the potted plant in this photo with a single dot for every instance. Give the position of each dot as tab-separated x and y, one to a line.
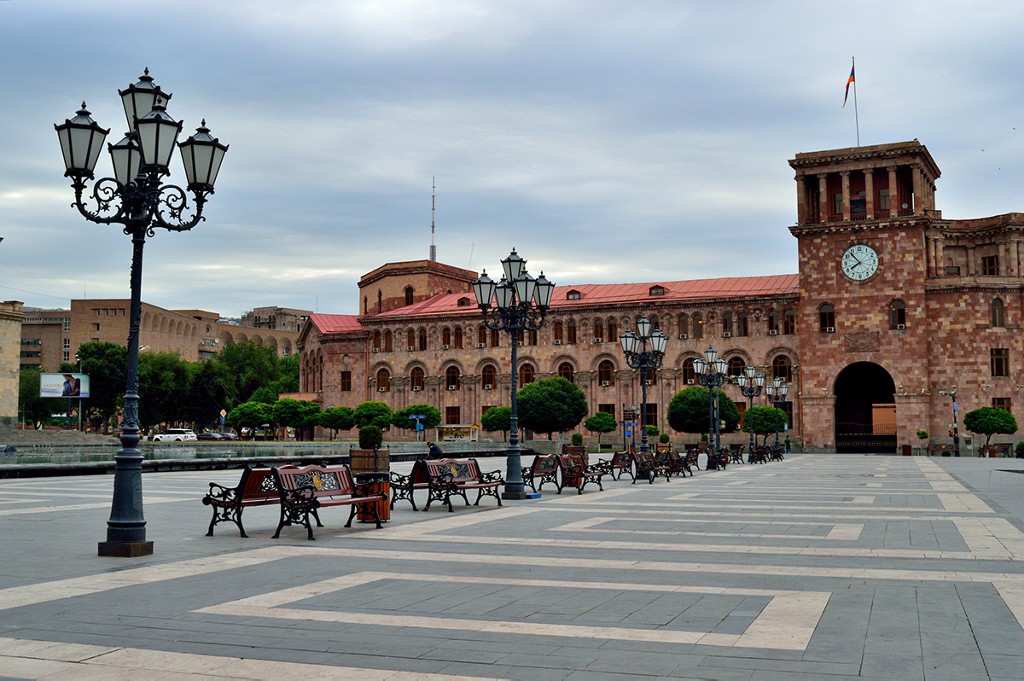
922	435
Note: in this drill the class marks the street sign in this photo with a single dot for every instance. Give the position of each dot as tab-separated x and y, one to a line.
416	417
223	413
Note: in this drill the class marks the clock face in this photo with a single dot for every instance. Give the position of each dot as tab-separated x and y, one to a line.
859	262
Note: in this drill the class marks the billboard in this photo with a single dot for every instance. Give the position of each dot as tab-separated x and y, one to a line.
64	385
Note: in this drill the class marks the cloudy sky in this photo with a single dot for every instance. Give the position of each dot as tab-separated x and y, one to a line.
607	141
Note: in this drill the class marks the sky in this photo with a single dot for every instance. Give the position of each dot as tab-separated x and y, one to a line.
607	142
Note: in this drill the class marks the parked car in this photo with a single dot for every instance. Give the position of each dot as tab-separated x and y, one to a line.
175	435
211	435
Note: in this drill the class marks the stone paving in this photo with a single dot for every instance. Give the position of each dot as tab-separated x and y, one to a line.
818	567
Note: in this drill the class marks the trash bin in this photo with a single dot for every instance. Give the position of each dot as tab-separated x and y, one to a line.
907	451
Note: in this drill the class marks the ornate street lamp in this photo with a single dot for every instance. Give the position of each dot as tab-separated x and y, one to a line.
777	395
711	373
750	381
954	431
135	198
634	345
521	303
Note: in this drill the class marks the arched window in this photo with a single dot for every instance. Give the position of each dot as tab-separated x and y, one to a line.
897	315
417	379
380	302
998	313
451	378
773	322
408	295
489	377
495	338
366	305
726	324
742	324
458	337
556	329
684	326
598	329
531	336
383	380
376	341
655	323
389	341
606	372
736	366
789	321
446	337
526	374
566	371
423	338
689	375
613	331
827	318
698	327
481	336
410	337
570	332
782	367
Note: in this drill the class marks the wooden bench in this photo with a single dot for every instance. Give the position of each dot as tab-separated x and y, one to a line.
256	487
735	453
943	448
647	466
995	450
304	490
444	477
621	462
543	469
676	463
692	452
576	473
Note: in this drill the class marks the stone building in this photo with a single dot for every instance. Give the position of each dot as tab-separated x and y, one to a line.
10	336
895	311
272	317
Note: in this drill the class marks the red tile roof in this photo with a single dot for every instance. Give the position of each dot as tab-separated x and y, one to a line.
336	323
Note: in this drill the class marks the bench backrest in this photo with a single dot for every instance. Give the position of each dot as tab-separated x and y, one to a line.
622	460
258	483
461	470
572	461
324	480
644	459
544	465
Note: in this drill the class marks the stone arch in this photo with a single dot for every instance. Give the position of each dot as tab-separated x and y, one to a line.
865	409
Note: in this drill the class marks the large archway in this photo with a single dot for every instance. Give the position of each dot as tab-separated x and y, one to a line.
865	415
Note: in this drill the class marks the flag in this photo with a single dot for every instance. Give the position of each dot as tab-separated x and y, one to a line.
848	81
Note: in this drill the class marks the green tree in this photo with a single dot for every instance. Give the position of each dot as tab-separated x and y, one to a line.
163	388
31	406
301	415
600	423
373	412
989	421
106	364
246	367
497	419
287	380
371	437
250	415
553	405
688	411
765	420
337	418
431	417
206	395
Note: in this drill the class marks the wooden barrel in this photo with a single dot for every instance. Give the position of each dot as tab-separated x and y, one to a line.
369	461
378	485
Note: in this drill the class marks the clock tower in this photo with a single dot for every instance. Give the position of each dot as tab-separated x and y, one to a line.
863	216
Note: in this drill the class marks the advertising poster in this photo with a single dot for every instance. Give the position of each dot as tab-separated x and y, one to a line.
64	385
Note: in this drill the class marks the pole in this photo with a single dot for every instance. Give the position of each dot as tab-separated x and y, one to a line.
856	113
514	487
644	446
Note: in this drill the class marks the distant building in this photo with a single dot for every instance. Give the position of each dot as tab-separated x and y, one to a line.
10	333
283	318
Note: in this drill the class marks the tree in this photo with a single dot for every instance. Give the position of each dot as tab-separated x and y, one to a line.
246	367
106	364
250	415
989	421
163	388
600	423
33	407
688	411
298	414
553	405
337	418
205	397
431	417
373	412
497	419
765	420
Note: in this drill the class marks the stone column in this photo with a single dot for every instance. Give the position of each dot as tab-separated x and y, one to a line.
894	193
11	316
845	176
824	206
869	193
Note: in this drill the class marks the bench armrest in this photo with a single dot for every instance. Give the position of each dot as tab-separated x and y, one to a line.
602	467
366	489
225	495
300	496
400	481
493	476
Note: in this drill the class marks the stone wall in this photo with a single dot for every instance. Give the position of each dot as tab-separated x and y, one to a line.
10	346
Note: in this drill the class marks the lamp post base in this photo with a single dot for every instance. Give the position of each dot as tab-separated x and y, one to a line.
125	549
514	493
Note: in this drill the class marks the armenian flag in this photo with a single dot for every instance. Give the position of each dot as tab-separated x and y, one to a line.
848	82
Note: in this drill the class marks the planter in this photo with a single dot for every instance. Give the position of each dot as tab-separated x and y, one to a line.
369	461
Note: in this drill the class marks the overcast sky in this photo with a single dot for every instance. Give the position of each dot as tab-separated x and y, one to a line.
638	140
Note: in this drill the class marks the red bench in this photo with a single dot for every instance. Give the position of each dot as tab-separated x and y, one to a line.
304	490
255	488
444	477
542	469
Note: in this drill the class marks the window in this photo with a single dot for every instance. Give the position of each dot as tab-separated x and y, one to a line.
525	374
410	339
566	371
570	329
446	337
452	415
557	331
598	329
782	367
1002	403
606	408
376	341
422	339
651	414
827	318
883	199
408	295
787	408
698	327
952	270
573	295
742	324
736	366
383	380
1000	358
458	337
388	341
990	265
726	324
998	313
606	372
837	204
451	378
613	329
481	335
656	291
897	315
531	336
789	321
689	375
417	379
489	377
495	338
484	409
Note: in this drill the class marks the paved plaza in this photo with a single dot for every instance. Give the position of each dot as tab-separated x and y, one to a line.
818	567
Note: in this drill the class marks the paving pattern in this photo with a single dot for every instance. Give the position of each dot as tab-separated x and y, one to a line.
818	567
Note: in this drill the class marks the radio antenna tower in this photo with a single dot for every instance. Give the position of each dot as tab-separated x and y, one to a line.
433	197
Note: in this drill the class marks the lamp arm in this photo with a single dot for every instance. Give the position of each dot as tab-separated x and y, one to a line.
108	196
170	204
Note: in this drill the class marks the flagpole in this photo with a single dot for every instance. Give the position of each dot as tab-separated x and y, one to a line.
856	113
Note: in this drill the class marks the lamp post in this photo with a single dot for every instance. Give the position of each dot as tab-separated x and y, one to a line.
954	431
711	373
521	304
634	345
751	381
777	395
136	199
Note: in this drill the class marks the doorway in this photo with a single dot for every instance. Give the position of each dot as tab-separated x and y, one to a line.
865	411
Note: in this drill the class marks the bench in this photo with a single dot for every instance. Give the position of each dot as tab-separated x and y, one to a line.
304	490
692	454
576	473
444	477
735	453
944	449
622	462
647	466
995	450
543	469
676	463
256	487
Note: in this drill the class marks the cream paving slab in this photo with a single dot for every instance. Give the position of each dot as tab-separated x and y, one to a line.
842	533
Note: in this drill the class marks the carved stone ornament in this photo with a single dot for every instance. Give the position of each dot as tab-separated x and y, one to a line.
863	341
